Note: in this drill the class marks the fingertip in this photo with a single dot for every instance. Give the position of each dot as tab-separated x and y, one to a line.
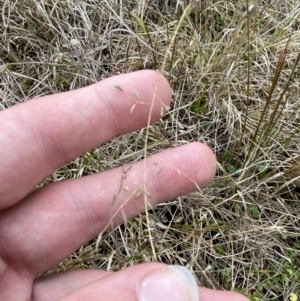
144	94
205	159
160	86
160	81
168	283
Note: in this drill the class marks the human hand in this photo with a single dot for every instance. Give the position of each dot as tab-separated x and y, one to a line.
39	229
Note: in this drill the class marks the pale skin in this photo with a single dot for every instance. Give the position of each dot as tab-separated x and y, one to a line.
39	229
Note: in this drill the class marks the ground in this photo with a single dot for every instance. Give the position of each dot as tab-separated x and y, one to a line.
234	72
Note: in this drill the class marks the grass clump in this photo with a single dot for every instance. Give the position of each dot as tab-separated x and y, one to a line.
234	71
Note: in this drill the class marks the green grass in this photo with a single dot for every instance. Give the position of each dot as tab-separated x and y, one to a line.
235	79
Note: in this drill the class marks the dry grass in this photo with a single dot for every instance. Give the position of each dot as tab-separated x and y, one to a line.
235	83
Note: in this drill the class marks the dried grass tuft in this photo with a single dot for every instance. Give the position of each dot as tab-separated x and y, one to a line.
235	80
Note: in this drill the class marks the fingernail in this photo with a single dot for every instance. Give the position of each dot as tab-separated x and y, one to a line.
174	283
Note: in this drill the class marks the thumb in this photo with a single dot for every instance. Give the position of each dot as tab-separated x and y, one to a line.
146	282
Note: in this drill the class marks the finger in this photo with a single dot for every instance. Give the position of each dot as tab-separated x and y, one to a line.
41	135
209	295
61	217
146	282
56	286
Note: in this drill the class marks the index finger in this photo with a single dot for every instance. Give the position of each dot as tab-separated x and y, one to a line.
41	135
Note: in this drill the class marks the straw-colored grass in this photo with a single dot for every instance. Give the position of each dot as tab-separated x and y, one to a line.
233	67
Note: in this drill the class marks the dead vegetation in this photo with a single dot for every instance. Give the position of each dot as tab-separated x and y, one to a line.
233	67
